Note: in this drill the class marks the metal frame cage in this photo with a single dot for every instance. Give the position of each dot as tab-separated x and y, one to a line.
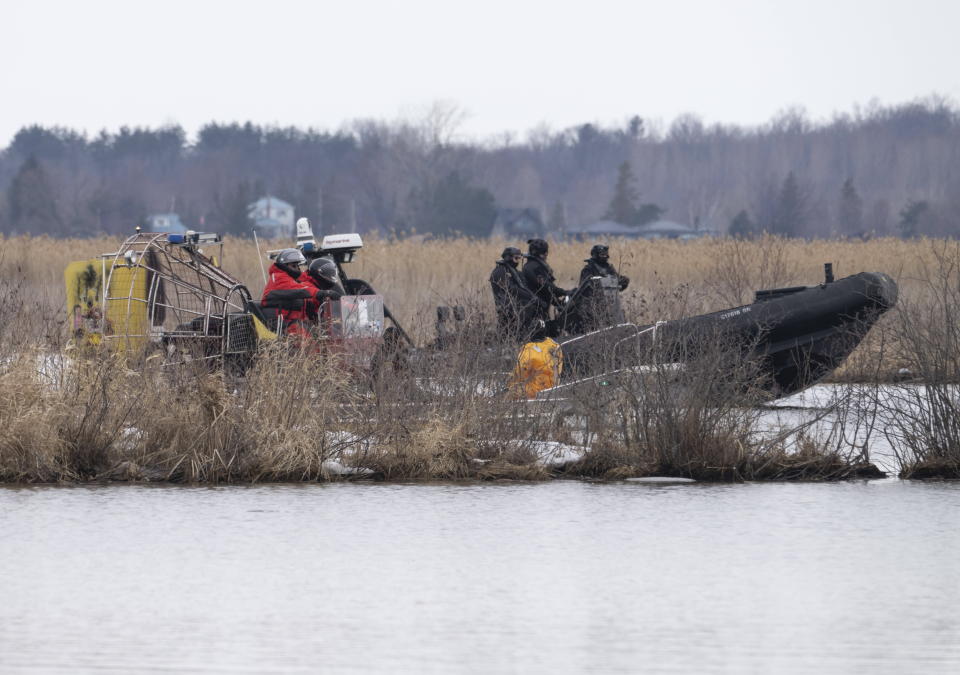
161	289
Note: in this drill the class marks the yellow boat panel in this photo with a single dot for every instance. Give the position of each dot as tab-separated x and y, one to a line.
126	310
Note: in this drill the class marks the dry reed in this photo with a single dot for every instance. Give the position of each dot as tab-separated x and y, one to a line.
668	277
922	415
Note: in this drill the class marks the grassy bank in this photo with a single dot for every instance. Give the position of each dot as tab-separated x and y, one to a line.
303	417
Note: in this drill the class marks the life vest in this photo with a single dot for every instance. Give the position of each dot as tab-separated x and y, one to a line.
538	367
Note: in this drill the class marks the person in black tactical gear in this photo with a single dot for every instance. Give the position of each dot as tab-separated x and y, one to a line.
598	265
540	279
597	301
517	306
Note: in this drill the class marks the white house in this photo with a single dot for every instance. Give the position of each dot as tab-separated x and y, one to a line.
272	217
164	222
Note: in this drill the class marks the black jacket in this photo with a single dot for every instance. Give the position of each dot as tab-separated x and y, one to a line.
509	290
595	268
539	278
516	305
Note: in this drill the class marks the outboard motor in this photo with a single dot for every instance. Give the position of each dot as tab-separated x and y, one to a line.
774	293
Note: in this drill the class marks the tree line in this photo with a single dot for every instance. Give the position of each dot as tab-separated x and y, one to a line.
878	170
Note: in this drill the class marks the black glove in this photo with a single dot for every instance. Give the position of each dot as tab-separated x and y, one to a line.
624	282
323	295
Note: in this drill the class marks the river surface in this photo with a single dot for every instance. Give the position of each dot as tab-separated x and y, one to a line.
562	577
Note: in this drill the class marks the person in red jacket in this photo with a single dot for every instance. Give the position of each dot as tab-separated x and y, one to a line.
286	291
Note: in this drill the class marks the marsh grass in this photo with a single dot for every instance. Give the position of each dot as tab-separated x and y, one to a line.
415	275
922	416
84	418
301	416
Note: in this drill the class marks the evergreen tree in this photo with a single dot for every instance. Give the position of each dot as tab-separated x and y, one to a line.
790	217
162	145
742	225
47	143
32	201
851	210
587	134
910	216
623	206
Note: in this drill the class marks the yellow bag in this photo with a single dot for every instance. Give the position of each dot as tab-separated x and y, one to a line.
538	367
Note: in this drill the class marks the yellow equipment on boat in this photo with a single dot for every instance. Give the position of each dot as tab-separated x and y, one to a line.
538	367
126	297
84	282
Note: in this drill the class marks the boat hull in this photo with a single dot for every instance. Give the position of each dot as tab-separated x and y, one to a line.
796	336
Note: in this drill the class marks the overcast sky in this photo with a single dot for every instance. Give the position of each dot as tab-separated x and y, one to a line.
510	66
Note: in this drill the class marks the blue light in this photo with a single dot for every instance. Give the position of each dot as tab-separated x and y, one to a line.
175	238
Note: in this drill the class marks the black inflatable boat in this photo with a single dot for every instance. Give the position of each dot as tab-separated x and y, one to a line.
797	335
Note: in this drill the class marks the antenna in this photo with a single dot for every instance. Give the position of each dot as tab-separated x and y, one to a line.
305	238
263	270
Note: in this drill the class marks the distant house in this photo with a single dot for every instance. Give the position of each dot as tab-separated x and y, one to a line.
603	228
271	217
659	229
165	223
518	224
667	229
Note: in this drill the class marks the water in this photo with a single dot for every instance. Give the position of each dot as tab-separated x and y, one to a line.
558	577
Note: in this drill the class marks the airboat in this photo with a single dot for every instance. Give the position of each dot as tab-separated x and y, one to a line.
168	294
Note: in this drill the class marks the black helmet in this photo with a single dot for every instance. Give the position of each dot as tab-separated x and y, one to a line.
289	260
537	246
600	252
510	252
324	268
